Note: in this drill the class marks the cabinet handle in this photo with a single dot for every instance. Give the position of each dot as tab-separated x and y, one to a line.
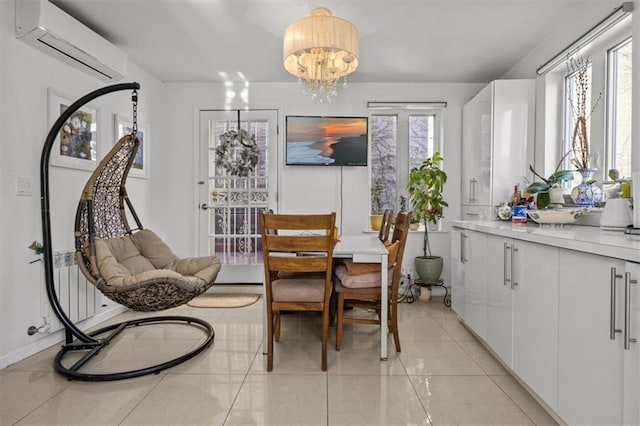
504	264
514	250
463	259
612	320
472	190
627	310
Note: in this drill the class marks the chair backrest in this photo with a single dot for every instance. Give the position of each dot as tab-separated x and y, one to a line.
400	233
101	210
297	243
387	216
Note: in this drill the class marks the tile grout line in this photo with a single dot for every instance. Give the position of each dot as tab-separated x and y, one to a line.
244	380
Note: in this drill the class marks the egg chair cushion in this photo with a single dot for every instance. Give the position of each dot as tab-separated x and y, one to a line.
144	259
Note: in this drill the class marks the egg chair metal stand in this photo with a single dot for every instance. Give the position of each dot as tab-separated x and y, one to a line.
114	224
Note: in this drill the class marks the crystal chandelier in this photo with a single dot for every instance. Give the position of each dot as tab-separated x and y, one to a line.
320	50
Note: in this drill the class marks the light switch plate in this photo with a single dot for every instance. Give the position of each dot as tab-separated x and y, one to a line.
23	187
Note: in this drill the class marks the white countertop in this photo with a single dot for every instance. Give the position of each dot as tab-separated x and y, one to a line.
589	239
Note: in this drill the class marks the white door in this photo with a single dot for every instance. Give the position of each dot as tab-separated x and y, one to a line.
229	201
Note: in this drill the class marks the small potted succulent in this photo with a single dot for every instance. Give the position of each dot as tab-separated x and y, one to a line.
375	219
546	186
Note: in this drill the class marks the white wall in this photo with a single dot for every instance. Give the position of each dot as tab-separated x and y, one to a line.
25	75
302	189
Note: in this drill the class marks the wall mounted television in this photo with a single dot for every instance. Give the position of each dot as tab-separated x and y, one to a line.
326	141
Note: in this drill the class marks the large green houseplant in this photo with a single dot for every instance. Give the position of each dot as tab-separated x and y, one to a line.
426	183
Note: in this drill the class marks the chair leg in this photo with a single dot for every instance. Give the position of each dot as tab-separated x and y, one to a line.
269	339
325	337
394	327
340	323
332	308
277	326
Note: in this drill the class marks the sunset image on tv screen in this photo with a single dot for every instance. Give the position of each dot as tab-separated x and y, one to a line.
331	141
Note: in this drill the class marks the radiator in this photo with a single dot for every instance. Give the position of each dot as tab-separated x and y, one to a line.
78	298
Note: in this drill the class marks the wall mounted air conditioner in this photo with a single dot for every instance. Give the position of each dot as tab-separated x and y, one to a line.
48	28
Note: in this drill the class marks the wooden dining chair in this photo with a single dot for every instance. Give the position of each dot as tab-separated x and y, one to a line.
359	285
387	216
298	254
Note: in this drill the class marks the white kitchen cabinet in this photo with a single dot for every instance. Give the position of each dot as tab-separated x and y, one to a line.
590	362
458	271
598	377
534	277
476	283
499	297
497	144
554	324
631	406
469	288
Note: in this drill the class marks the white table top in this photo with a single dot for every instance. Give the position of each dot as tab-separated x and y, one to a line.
363	248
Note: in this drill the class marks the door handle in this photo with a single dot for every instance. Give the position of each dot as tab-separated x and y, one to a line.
627	310
514	251
463	258
612	310
472	190
507	247
204	206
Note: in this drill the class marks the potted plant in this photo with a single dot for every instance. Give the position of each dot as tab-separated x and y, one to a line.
375	219
543	188
426	183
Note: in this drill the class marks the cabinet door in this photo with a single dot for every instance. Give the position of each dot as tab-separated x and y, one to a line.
513	126
476	148
499	294
535	317
476	283
632	354
590	364
470	151
483	157
458	270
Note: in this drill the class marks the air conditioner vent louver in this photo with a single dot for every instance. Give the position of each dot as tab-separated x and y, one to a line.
49	29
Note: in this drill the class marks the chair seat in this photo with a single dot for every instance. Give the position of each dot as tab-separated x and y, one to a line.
309	290
353	283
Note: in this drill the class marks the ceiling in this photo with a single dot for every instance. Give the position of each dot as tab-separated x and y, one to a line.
400	40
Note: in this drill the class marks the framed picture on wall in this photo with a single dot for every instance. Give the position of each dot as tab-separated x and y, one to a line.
76	146
123	126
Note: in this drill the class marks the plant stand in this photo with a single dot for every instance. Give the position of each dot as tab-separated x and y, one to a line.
439	283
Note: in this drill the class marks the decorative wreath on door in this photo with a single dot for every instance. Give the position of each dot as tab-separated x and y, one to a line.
237	153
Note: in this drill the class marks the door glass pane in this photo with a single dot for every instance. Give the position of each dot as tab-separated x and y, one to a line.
383	160
421	134
236	201
578	102
620	136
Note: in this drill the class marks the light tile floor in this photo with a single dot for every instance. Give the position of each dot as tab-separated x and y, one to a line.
443	376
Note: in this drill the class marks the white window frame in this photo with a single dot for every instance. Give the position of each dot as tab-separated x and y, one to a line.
402	142
610	153
554	140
